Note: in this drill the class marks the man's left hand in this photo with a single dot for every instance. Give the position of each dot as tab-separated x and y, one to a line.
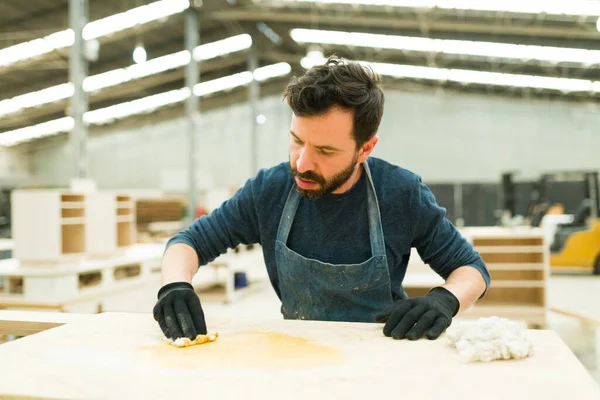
428	315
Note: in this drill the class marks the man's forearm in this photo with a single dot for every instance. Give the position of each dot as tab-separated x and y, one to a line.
467	284
180	263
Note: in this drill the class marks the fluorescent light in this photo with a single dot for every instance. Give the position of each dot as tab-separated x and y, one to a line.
222	47
139	55
36	131
480	77
36	99
573	7
221	84
121	75
135	16
313	57
141	106
241	79
462	47
36	47
102	27
272	71
409	71
485	78
136	71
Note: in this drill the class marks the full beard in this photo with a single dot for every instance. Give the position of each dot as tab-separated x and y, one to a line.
326	186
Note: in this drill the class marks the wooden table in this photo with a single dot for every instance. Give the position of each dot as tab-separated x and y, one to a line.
118	355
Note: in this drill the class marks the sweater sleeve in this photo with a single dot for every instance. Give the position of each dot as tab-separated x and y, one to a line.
437	240
234	222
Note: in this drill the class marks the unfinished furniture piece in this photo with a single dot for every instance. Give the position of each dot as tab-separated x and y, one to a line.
54	226
120	283
222	271
48	225
518	262
273	358
110	223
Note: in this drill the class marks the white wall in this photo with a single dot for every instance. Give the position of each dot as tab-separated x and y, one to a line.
443	137
155	155
14	166
465	137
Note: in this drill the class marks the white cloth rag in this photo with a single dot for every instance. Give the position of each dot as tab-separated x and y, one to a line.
488	339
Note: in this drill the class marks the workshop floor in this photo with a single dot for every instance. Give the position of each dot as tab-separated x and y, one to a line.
581	293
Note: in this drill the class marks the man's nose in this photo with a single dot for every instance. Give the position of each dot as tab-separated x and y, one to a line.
304	162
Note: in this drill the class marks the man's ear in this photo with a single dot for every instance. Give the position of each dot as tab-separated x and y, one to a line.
367	148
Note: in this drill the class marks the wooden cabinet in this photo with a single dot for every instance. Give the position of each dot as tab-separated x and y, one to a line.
47	225
54	225
517	260
110	223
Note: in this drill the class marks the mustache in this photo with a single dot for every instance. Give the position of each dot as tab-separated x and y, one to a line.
308	175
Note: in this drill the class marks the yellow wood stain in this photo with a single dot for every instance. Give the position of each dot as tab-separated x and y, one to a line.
246	350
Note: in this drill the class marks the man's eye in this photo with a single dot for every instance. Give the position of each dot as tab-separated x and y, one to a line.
326	153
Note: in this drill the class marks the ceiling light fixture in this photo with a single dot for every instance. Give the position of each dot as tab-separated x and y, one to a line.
400	71
459	47
139	54
573	7
142	106
118	76
93	30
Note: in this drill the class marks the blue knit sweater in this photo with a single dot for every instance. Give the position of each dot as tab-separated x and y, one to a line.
334	228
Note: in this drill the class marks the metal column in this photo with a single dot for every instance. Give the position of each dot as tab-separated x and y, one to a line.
78	15
253	94
192	113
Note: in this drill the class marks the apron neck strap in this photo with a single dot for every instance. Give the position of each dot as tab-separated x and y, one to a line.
375	226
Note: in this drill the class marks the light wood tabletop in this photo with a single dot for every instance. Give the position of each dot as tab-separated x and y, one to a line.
120	355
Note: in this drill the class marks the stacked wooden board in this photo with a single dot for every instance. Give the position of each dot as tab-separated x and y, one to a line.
149	210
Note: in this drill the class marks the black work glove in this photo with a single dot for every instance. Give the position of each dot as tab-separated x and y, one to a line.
412	318
178	311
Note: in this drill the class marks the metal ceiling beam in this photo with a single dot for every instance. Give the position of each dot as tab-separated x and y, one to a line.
215	101
78	15
192	112
120	60
393	22
123	92
64	53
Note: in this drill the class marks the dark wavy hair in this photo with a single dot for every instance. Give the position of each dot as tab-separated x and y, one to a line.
342	83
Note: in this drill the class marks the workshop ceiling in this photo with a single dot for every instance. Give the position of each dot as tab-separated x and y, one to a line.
269	23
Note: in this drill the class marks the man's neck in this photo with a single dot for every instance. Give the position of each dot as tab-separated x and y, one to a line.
352	181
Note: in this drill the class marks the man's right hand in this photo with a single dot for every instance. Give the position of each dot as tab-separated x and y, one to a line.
178	311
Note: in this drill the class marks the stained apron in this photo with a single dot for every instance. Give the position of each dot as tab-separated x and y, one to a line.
314	290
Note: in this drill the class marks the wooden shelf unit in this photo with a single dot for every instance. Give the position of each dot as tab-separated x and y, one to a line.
48	225
51	225
517	260
125	219
111	224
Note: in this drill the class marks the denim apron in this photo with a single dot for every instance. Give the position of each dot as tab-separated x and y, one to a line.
315	290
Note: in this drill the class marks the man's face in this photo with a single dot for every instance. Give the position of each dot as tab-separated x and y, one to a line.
323	153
